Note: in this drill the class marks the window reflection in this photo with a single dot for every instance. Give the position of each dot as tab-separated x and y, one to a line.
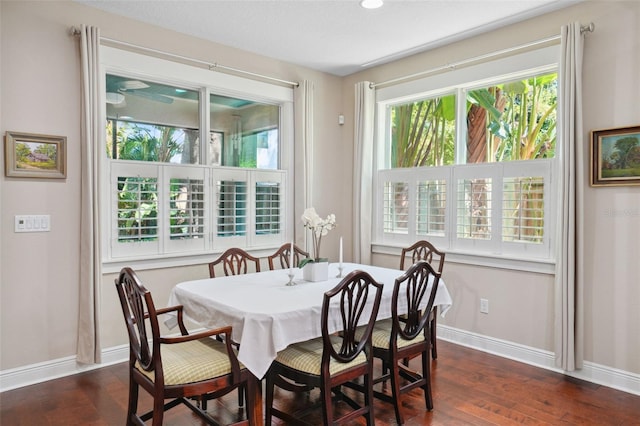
149	121
247	131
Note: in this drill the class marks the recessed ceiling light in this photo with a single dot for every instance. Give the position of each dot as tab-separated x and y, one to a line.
371	4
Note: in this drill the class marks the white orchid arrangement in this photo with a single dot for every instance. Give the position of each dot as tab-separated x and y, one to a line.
319	227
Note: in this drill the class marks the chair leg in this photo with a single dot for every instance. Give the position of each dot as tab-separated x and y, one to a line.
426	374
241	395
385	370
368	397
268	406
158	409
203	403
327	406
395	391
133	401
434	349
251	391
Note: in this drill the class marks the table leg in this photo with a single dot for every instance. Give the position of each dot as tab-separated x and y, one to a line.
254	401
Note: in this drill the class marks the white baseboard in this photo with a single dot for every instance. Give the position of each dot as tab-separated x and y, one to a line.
595	373
43	371
591	372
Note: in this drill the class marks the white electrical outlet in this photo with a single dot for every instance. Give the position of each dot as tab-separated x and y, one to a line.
484	306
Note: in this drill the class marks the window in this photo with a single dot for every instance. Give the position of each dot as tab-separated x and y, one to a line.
396	207
431	207
467	161
512	120
523	209
423	132
137	208
473	209
169	194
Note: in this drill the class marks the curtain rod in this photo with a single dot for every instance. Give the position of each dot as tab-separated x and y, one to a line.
211	66
587	28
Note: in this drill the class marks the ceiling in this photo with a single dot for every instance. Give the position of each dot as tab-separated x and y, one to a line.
334	36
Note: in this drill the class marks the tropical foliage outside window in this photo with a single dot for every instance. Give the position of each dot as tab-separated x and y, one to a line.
501	122
423	132
512	121
137	209
509	121
152	142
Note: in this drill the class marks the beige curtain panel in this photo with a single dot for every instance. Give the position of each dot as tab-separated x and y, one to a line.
303	156
569	335
92	136
363	171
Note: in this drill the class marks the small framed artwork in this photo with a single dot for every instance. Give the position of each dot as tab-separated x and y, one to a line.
31	155
615	156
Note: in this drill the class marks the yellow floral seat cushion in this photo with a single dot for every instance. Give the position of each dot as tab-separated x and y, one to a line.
307	357
193	361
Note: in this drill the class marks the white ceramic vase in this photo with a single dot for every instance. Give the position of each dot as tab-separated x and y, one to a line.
316	271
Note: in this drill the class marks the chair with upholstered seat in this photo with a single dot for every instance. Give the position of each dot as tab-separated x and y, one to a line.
283	254
234	261
339	356
406	335
424	250
178	367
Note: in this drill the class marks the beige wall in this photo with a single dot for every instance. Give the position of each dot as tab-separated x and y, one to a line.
40	93
521	304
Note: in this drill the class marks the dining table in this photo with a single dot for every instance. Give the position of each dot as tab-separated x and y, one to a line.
267	315
272	309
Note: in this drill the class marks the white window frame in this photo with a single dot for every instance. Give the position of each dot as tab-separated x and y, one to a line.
274	177
131	169
411	176
494	252
190	244
167	253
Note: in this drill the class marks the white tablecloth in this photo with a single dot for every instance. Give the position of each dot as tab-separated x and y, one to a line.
267	315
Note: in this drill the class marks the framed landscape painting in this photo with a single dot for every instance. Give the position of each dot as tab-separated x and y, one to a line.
615	156
35	156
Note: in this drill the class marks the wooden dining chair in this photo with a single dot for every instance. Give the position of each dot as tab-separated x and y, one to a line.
282	256
424	250
178	368
234	261
334	359
405	336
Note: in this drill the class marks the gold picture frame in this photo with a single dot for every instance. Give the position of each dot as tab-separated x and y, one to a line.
31	155
615	156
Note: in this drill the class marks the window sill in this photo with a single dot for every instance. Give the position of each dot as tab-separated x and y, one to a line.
537	265
171	261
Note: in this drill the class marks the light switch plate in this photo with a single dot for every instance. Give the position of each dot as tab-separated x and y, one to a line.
32	223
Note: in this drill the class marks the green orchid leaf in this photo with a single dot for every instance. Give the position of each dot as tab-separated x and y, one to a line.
304	262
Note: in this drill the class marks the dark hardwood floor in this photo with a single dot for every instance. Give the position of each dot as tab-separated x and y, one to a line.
469	388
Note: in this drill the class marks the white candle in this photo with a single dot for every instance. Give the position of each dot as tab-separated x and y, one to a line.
340	251
291	258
